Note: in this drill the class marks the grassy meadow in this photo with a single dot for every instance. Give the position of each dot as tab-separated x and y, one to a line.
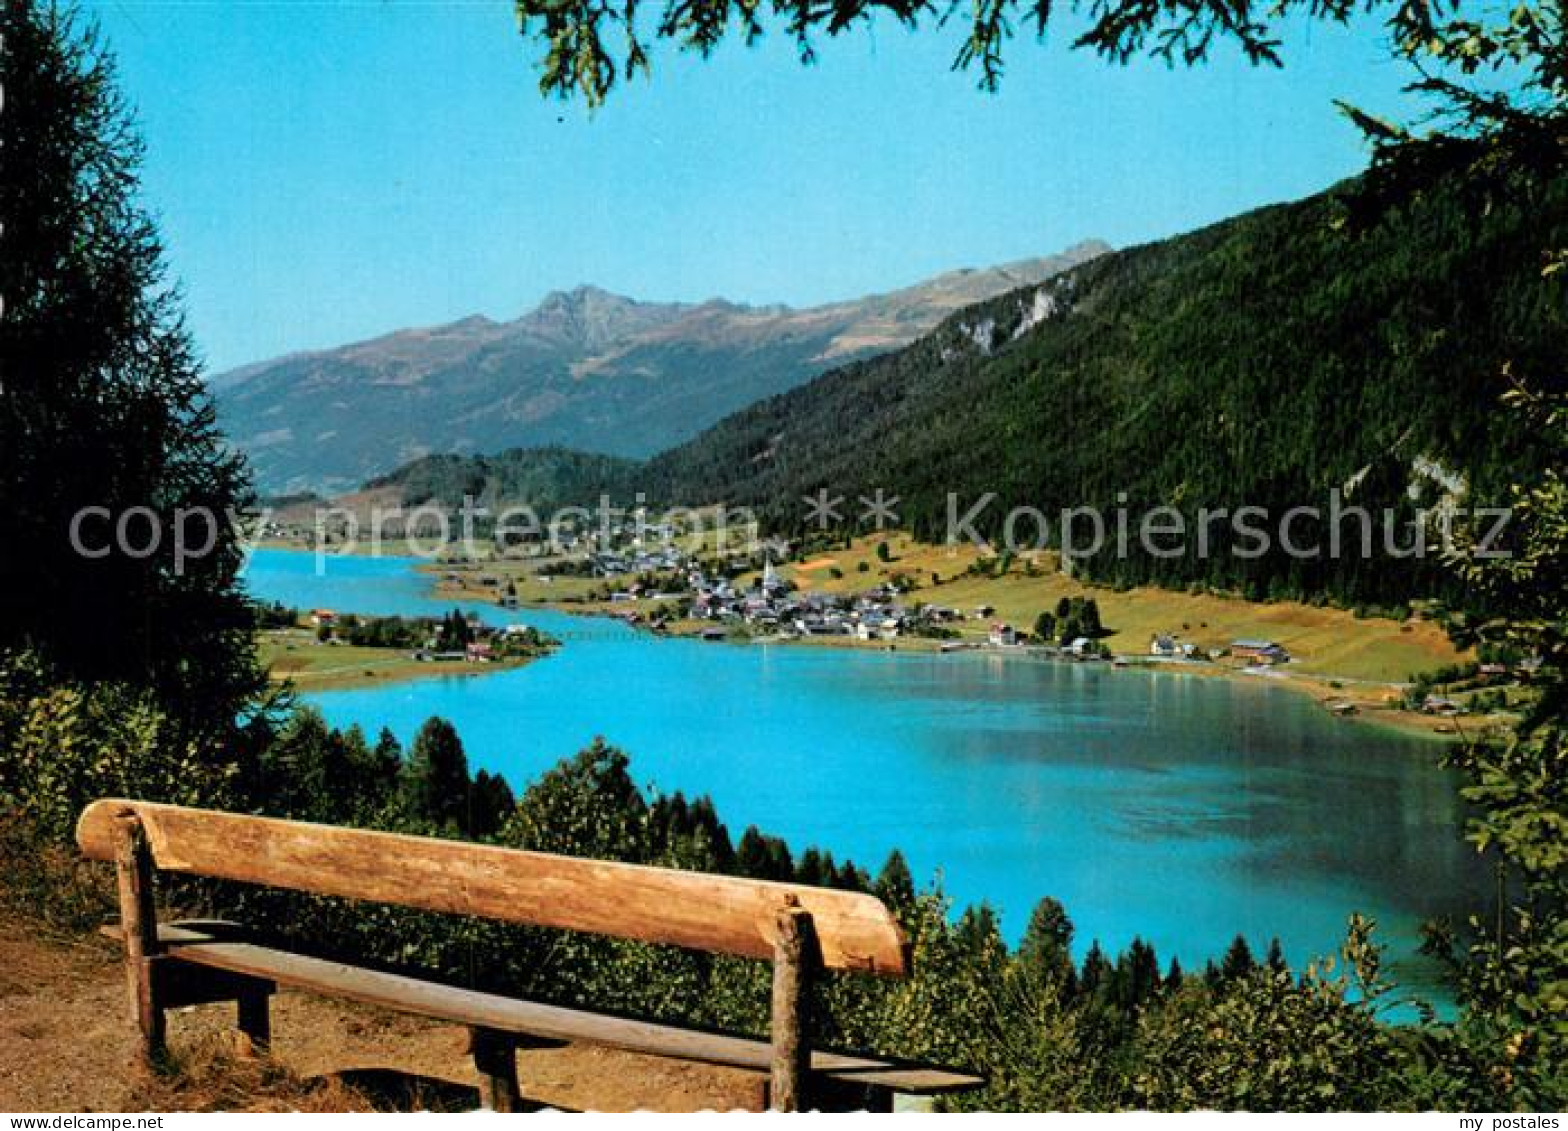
297	656
1322	640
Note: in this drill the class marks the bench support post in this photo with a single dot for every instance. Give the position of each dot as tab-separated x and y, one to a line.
879	1099
255	1018
495	1059
795	960
139	923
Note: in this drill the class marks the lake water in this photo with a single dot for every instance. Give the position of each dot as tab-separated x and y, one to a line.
1181	808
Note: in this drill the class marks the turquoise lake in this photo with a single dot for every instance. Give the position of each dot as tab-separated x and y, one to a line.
1179	808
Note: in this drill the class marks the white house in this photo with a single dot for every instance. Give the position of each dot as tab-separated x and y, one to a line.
1163	645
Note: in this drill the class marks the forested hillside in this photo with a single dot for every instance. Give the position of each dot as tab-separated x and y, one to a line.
1262	361
522	474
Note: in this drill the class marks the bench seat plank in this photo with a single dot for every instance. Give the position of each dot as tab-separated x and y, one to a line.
513	1015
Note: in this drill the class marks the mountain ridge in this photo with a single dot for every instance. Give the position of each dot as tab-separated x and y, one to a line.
1263	361
586	368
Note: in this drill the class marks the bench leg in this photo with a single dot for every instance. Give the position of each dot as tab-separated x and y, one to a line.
495	1059
139	925
832	1095
151	1024
795	962
255	1018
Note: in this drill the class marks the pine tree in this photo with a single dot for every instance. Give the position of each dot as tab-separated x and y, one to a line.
1096	970
751	854
435	780
1276	957
492	804
1142	972
388	752
706	826
895	884
812	867
1046	948
102	403
1238	961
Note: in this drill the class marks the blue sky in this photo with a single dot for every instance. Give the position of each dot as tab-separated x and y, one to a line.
327	171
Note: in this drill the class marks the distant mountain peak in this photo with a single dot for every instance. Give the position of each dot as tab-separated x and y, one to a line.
584	294
592	318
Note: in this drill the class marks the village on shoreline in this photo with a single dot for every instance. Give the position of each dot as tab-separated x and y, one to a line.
889	592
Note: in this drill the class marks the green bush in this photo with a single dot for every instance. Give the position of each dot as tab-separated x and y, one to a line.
63	745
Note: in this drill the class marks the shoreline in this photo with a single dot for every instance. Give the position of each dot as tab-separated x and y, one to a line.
294	663
1366	700
1369	712
1368	697
388	673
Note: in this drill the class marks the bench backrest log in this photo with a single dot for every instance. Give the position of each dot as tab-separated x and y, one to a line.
720	914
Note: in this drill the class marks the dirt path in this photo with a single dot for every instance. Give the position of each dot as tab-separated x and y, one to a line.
65	1046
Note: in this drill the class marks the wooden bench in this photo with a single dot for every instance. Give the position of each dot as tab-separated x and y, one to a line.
800	929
